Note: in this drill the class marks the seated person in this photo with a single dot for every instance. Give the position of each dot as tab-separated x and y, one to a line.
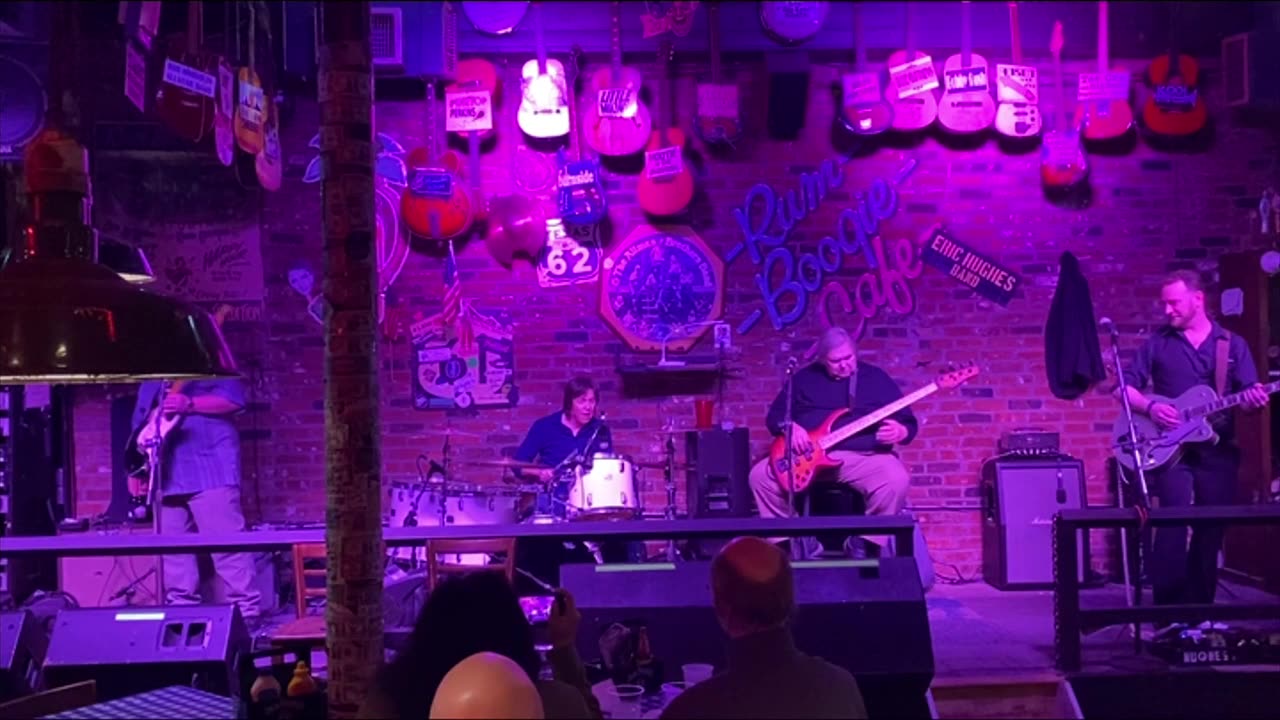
753	593
839	381
479	612
487	686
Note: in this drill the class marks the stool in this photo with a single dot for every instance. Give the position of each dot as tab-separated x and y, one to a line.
828	499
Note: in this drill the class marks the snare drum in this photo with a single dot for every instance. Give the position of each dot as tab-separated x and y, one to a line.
604	491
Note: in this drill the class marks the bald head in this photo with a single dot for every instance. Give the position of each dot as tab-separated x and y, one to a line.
486	685
752	585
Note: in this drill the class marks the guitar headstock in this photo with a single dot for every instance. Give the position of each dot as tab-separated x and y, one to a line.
1057	40
957	377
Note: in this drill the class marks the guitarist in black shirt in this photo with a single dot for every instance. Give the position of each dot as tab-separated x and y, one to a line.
1177	357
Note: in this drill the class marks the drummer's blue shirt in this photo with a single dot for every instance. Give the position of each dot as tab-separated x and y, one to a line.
549	441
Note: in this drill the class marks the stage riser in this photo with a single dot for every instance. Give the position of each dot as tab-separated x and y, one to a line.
92	581
1177	695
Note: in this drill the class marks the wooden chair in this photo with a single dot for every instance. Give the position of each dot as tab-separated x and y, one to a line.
52	702
307	631
438	568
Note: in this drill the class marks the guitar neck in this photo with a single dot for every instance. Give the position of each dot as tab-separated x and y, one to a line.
844	433
911	31
966	41
1015	33
1224	403
433	149
1104	45
664	87
859	45
713	19
537	35
615	41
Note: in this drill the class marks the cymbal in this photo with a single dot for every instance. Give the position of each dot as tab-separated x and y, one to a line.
508	463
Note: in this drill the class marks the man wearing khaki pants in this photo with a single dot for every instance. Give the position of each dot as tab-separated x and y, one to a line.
200	485
839	381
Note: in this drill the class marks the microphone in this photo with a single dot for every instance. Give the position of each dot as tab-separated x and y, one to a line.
792	362
1107	324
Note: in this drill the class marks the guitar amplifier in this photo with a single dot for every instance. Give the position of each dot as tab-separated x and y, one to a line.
1020	498
1029	441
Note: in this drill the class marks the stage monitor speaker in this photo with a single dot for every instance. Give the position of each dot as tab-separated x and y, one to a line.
1020	498
1182	693
866	616
718	462
133	650
22	651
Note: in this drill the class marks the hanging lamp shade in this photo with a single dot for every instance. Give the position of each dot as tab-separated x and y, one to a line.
65	318
125	260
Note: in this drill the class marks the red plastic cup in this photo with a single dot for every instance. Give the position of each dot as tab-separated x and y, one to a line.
703	411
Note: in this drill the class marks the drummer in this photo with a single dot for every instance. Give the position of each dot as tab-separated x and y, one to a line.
555	440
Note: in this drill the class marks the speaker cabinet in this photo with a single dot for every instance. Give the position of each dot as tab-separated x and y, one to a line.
867	617
719	461
133	650
22	651
1020	498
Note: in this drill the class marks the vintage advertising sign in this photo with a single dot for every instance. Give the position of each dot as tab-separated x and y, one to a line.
661	284
969	267
469	363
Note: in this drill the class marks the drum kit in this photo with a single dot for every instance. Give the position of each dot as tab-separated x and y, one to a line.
601	487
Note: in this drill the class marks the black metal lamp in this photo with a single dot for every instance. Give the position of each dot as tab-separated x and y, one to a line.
65	318
125	260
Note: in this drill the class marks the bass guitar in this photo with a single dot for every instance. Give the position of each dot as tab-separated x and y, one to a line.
1157	447
828	435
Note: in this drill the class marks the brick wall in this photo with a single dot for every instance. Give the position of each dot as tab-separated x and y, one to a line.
1151	212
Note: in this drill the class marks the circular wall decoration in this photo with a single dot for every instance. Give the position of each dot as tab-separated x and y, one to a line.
22	106
661	283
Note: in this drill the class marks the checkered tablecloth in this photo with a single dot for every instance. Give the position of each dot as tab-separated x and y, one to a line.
171	702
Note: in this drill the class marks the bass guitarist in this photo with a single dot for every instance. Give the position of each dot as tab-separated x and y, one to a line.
1183	354
836	381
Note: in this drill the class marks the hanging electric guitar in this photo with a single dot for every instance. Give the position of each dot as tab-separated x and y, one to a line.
828	435
1157	447
580	194
184	100
1103	111
863	109
1063	163
666	185
718	120
435	204
1018	89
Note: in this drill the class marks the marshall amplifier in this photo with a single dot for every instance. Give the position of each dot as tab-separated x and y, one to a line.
1020	498
137	649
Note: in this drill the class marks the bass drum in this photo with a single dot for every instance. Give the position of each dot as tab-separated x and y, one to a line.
464	504
604	490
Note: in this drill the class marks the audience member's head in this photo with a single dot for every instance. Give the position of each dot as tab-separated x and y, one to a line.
486	685
752	587
475	613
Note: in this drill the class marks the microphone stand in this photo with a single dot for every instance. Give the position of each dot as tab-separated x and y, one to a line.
787	425
1132	580
670	479
157	495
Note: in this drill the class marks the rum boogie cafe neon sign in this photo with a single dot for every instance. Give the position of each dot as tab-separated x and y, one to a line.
767	221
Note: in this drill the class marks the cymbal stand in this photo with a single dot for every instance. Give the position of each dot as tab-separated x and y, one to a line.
669	479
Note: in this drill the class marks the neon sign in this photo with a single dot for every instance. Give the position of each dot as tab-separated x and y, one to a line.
766	222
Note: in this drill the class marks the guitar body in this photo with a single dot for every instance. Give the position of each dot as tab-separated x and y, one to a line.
435	204
224	139
718	130
544	110
807	465
961	110
250	117
1156	447
870	119
616	136
1104	119
668	195
915	112
1175	108
1063	163
1018	120
793	22
187	113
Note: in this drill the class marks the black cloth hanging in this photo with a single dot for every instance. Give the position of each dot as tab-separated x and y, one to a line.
1072	354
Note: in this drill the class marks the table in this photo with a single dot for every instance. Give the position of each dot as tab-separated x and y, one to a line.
177	701
651	706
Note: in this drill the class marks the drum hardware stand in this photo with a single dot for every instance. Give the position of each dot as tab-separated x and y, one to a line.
669	478
1132	581
797	544
447	461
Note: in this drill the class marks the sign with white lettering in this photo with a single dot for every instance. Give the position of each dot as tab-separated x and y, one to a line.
663	163
1112	85
619	102
969	267
915	77
470	111
189	78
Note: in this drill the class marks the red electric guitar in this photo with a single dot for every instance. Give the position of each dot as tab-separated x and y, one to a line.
1103	118
1063	163
184	100
435	204
828	435
666	186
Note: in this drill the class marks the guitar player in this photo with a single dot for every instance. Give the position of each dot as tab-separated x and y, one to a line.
838	380
1183	354
200	485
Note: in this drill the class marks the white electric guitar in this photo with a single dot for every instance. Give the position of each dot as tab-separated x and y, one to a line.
1018	90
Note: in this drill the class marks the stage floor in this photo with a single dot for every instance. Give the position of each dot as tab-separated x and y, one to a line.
981	631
